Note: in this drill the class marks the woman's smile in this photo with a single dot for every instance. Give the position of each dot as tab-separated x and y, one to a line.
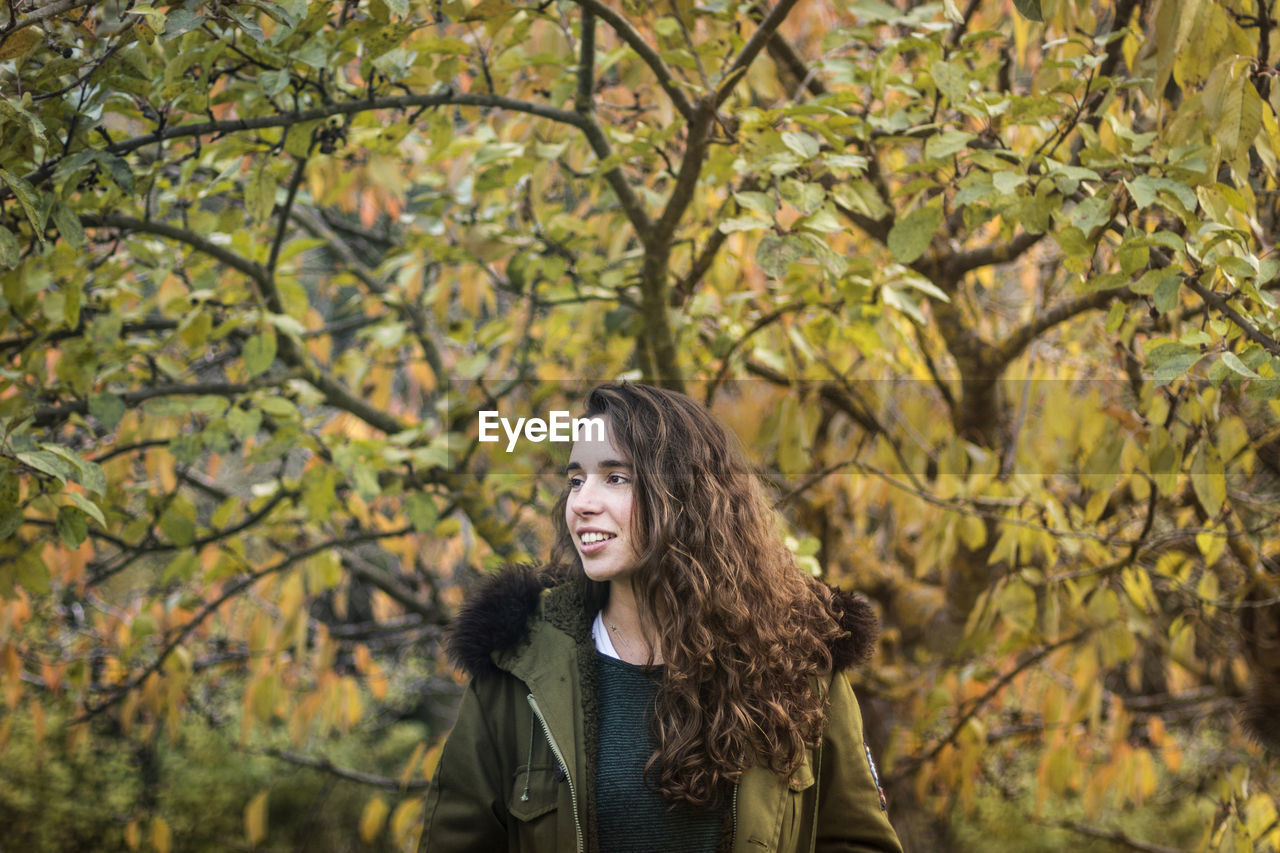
598	510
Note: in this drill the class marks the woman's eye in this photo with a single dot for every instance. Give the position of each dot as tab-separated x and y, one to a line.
618	479
575	482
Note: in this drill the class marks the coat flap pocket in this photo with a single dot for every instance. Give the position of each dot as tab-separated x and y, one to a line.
534	792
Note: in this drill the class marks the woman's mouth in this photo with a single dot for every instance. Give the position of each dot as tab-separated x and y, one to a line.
593	541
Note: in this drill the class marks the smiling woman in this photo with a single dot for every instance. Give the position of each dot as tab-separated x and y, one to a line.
671	680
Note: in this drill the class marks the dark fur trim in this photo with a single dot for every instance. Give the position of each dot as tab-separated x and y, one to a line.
856	616
1260	713
495	616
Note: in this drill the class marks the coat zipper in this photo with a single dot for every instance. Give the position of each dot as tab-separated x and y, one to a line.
733	827
573	794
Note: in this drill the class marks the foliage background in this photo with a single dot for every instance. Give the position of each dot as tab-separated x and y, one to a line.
987	288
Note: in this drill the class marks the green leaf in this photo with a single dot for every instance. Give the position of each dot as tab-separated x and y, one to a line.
756	201
28	198
72	525
911	235
1169	361
744	223
180	21
1167	293
108	408
243	422
119	171
260	193
951	80
874	10
88	507
10	521
943	145
10	251
422	512
775	253
183	567
69	225
1237	366
1030	9
33	574
45	462
861	197
86	473
178	526
260	352
801	143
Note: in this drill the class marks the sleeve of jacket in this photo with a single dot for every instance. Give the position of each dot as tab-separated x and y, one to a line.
850	812
466	808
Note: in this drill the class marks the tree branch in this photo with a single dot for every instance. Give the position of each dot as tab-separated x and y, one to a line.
958	31
584	103
1020	338
318	227
617	181
287	119
759	39
223	255
959	264
1219	302
336	394
44	13
389	584
396	102
326	766
295	181
1116	835
785	56
1026	663
49	416
644	50
229	592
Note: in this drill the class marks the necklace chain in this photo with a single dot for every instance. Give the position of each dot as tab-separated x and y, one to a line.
618	634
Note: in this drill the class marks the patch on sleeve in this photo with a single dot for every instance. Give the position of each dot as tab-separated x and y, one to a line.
875	777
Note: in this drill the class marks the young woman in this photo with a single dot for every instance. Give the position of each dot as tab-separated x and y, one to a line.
672	681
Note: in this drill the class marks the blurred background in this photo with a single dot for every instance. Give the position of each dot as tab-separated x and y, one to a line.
987	290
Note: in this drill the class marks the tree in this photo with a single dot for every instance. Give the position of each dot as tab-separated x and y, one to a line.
1005	290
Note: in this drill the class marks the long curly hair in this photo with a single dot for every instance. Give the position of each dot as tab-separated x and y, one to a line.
742	630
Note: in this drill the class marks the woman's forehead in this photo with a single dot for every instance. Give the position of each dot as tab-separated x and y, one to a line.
598	451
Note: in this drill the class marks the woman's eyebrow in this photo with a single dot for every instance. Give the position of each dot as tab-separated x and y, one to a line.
604	463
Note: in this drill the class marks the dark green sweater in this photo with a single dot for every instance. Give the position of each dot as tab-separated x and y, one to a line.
630	816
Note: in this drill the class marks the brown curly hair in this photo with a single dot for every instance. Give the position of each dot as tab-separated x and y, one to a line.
743	632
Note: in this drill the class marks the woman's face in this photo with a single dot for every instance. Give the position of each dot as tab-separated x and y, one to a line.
598	510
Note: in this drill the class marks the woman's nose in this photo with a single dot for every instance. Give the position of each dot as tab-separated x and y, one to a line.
585	501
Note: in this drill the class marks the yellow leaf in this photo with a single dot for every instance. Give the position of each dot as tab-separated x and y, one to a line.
132	835
407	773
255	819
161	835
1211	545
972	531
375	814
406	817
431	759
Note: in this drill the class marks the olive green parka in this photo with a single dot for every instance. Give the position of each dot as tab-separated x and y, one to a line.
517	771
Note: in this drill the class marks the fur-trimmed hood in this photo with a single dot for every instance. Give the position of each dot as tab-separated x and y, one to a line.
498	611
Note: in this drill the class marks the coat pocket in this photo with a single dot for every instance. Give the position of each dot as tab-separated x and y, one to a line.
799	810
534	792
